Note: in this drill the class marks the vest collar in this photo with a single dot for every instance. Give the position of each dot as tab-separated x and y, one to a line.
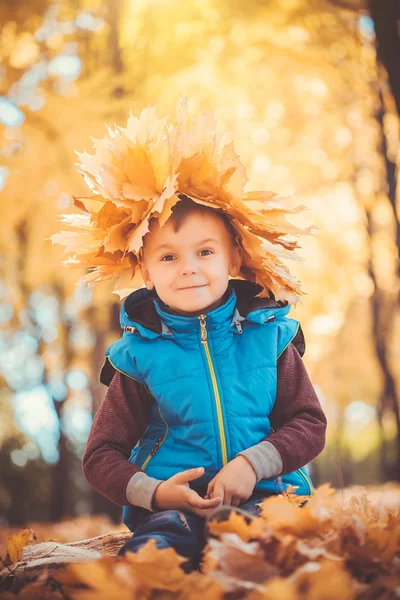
145	312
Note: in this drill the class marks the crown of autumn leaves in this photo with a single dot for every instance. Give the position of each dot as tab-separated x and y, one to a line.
139	172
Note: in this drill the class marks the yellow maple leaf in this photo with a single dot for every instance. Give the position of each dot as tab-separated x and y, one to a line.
236	523
326	579
105	579
284	517
168	575
198	586
277	588
18	541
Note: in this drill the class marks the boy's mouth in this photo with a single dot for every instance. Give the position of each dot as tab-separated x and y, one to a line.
192	287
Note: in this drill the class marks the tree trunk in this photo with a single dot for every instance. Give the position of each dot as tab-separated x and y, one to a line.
386	17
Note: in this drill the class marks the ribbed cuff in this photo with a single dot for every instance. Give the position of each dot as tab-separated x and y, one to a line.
140	490
265	460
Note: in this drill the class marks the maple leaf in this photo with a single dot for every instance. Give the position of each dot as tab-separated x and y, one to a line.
236	523
282	516
277	588
285	516
326	579
168	574
243	561
17	542
104	579
198	586
132	576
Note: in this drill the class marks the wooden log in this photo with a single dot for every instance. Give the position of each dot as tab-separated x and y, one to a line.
52	556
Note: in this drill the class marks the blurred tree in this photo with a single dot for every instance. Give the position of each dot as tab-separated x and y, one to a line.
297	89
385	299
386	19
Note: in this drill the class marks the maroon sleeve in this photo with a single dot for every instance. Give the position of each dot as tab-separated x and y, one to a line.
298	421
118	425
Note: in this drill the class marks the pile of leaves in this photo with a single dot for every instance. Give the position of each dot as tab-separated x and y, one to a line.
327	549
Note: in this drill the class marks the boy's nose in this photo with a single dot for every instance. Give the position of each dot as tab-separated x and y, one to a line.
188	268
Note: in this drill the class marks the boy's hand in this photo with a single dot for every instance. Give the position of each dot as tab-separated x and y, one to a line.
234	483
175	493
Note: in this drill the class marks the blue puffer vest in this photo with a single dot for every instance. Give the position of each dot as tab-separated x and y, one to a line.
212	380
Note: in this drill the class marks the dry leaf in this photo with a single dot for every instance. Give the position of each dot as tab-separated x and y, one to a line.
201	587
18	541
276	589
324	580
168	574
239	565
105	579
237	523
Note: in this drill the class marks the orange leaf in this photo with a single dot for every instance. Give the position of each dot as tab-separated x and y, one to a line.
17	542
200	587
168	575
237	523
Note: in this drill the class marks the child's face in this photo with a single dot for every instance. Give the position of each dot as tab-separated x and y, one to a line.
189	262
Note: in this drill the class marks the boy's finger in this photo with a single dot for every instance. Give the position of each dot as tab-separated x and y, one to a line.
219	491
195	500
210	487
202	503
188	475
227	499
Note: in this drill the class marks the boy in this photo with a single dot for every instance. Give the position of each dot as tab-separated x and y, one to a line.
186	266
206	383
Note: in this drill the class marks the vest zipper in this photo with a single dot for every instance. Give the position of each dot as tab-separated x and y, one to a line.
202	319
307	480
157	445
305	477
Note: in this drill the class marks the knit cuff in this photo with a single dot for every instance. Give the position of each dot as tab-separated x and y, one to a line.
265	460
140	490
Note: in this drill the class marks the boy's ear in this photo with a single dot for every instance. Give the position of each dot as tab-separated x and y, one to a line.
236	261
145	274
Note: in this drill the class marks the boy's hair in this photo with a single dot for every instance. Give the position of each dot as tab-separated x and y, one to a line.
186	206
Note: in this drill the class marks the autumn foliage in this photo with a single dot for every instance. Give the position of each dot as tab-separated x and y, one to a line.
324	550
138	173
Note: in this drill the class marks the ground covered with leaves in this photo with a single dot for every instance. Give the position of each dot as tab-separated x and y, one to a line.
343	545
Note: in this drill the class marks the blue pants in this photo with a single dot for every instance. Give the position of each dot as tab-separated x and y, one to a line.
181	530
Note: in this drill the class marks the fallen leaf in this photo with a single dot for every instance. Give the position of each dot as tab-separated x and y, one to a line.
236	523
17	542
168	574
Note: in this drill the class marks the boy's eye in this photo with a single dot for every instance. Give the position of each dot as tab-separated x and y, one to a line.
167	256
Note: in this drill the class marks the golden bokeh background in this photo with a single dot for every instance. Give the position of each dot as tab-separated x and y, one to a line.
298	87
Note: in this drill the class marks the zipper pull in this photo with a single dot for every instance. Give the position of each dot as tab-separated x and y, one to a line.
238	326
129	329
154	450
202	319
